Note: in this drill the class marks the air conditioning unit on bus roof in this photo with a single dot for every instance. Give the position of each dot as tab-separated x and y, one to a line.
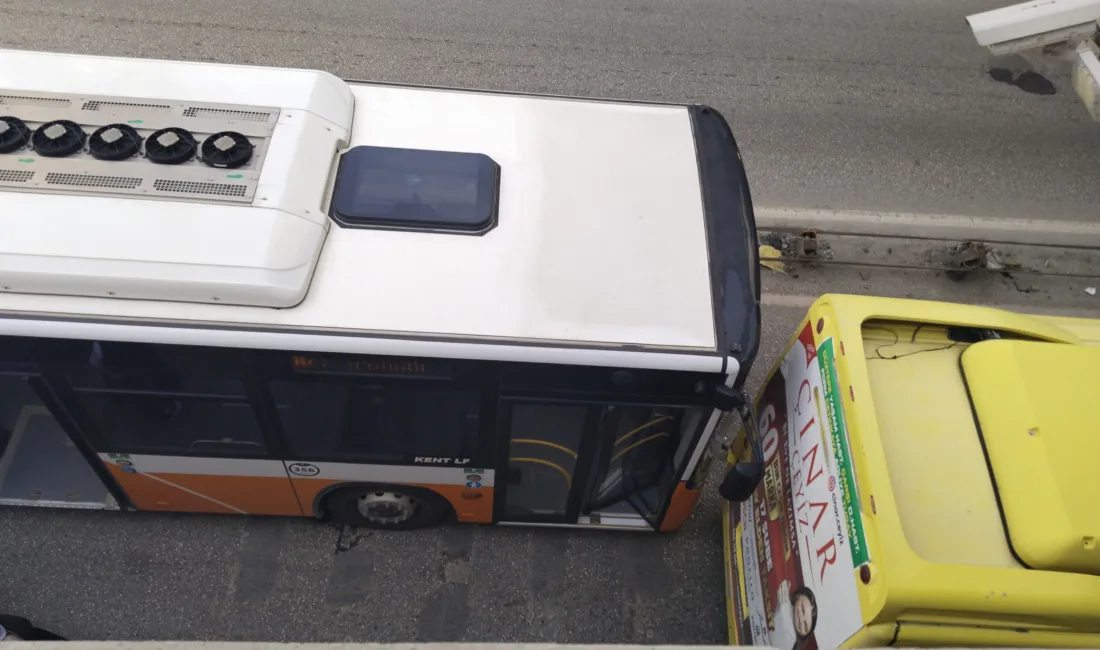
165	180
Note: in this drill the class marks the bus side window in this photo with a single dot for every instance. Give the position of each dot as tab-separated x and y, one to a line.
15	354
358	420
167	423
640	448
144	398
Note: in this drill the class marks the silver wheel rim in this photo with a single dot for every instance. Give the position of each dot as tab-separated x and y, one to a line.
386	507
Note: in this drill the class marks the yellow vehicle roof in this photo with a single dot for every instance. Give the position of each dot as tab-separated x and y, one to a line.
938	514
1036	410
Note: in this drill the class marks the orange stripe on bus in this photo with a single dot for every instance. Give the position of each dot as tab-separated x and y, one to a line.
680	508
148	494
259	495
470	505
254	495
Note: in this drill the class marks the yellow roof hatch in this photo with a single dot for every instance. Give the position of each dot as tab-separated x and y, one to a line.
1037	406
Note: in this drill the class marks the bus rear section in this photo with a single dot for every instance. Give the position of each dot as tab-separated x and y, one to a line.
270	291
928	483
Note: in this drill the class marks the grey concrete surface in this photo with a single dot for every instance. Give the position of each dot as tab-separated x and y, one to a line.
163	577
1034	287
89	575
1001	230
848	104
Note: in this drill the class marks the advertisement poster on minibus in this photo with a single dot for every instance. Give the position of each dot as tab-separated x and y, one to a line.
796	544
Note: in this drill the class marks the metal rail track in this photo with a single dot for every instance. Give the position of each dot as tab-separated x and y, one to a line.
799	239
811	261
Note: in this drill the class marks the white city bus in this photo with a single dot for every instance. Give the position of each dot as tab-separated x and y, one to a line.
235	289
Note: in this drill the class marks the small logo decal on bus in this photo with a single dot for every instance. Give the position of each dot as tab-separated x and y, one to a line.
433	460
303	469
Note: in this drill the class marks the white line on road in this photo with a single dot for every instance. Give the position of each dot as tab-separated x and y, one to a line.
1040	232
804	302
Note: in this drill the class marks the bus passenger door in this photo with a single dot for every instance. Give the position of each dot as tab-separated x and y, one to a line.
40	465
541	477
590	463
635	471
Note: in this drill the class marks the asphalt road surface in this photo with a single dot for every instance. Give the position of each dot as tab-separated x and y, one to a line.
848	104
166	577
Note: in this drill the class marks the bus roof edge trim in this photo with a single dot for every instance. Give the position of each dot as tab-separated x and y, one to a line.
337	343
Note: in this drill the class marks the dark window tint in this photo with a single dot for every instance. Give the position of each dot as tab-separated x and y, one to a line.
413	188
116	380
145	398
643	441
173	424
374	422
125	358
15	396
542	457
15	354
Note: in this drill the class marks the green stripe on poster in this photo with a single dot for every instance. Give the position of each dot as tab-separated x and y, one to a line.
839	433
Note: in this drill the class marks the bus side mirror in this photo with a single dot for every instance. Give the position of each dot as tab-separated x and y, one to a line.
725	399
741	481
745	476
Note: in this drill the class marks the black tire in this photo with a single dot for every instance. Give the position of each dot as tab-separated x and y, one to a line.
429	509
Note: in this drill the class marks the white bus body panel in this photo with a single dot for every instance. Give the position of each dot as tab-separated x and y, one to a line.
601	239
260	253
111	247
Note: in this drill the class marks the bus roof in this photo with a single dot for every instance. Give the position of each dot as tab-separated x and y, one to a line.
581	222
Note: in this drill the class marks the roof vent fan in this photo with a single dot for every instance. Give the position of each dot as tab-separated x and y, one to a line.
14	133
227	150
170	146
114	142
58	139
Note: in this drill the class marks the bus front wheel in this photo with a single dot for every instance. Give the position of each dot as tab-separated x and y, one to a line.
387	507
